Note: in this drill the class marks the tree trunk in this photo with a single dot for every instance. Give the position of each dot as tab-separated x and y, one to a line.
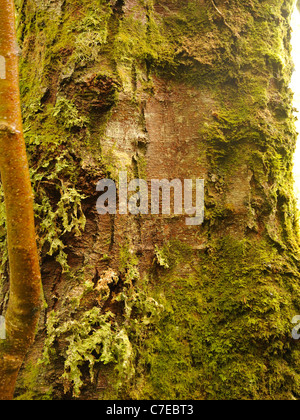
25	282
145	306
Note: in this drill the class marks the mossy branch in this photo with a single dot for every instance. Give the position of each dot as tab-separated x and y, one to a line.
25	282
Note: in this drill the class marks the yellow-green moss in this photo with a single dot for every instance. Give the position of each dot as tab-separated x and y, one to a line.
226	332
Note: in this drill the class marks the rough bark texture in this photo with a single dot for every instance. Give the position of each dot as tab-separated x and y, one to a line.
146	307
22	313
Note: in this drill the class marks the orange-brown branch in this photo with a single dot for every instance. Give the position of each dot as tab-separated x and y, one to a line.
25	282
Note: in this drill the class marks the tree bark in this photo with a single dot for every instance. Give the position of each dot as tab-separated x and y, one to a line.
25	283
163	90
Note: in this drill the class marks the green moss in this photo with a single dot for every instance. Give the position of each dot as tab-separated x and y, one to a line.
27	390
92	34
219	315
128	264
66	114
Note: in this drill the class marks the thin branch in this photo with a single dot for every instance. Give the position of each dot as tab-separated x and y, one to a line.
24	302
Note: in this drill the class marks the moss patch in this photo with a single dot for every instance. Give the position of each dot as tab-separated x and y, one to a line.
226	331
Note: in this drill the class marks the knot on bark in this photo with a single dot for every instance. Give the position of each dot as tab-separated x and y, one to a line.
8	128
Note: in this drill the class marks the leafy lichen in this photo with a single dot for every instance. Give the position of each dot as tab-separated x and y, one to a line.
92	339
